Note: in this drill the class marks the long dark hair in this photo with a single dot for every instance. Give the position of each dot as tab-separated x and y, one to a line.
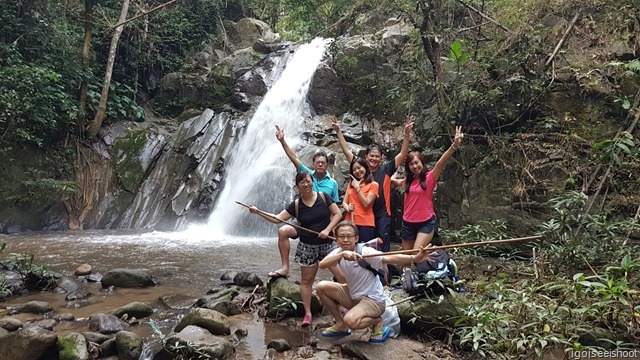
423	174
367	178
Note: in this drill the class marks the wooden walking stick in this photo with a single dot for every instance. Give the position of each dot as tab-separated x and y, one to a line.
298	227
453	246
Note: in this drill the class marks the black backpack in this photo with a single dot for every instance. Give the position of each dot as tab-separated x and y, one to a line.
433	278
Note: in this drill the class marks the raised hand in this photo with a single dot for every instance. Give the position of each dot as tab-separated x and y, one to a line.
457	140
408	125
334	124
279	133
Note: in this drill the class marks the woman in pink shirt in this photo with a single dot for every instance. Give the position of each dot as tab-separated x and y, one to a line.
419	222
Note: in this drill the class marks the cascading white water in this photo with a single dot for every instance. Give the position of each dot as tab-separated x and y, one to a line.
259	172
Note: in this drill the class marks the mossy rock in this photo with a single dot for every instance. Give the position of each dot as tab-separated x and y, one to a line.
215	322
72	346
430	315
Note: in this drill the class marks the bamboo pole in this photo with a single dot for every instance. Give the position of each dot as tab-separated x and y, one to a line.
286	222
453	246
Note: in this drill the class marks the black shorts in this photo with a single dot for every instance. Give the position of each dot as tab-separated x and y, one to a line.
410	230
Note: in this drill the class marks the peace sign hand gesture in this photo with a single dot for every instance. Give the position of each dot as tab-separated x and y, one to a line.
334	124
408	125
457	140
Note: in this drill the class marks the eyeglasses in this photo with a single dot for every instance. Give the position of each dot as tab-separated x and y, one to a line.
342	237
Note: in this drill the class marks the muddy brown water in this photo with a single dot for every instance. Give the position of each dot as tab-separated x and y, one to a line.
184	264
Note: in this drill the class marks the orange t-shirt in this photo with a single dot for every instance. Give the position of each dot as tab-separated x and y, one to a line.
362	216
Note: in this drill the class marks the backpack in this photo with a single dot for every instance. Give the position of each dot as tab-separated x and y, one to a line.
382	274
297	202
433	278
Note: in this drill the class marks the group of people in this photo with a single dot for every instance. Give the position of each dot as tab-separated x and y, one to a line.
356	299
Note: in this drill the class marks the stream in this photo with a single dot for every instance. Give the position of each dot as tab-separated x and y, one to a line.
185	264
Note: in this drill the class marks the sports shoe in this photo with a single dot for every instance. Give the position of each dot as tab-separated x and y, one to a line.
306	321
408	279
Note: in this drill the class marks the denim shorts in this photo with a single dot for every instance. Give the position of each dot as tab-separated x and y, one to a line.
410	230
310	254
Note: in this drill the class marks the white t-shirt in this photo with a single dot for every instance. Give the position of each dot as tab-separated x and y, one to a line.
362	282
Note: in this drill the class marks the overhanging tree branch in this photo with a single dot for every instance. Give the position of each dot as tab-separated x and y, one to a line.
143	14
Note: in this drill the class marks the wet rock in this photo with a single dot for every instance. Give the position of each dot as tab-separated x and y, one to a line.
64	317
305	352
3	332
36	307
55	218
97	277
46	324
9	323
220	292
325	91
129	345
95	337
252	84
84	269
247	279
137	309
226	307
26	344
279	345
127	278
80	294
178	301
106	323
432	314
73	346
215	322
196	337
282	293
67	285
109	348
228	276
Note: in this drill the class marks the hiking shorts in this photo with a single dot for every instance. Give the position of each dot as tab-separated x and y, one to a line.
410	230
310	254
366	306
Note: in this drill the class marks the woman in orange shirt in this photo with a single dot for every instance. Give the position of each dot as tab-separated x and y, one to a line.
358	200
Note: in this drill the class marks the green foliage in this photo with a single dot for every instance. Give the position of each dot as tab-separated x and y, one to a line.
576	239
32	276
34	106
518	323
482	231
187	351
285	304
613	149
120	105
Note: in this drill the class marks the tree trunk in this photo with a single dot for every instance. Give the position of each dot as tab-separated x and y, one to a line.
84	86
97	121
431	47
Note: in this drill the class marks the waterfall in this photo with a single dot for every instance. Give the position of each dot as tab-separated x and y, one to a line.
258	171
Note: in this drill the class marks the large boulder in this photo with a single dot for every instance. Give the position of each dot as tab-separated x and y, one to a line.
430	315
285	299
215	322
106	323
27	344
127	278
137	309
129	345
73	346
194	337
